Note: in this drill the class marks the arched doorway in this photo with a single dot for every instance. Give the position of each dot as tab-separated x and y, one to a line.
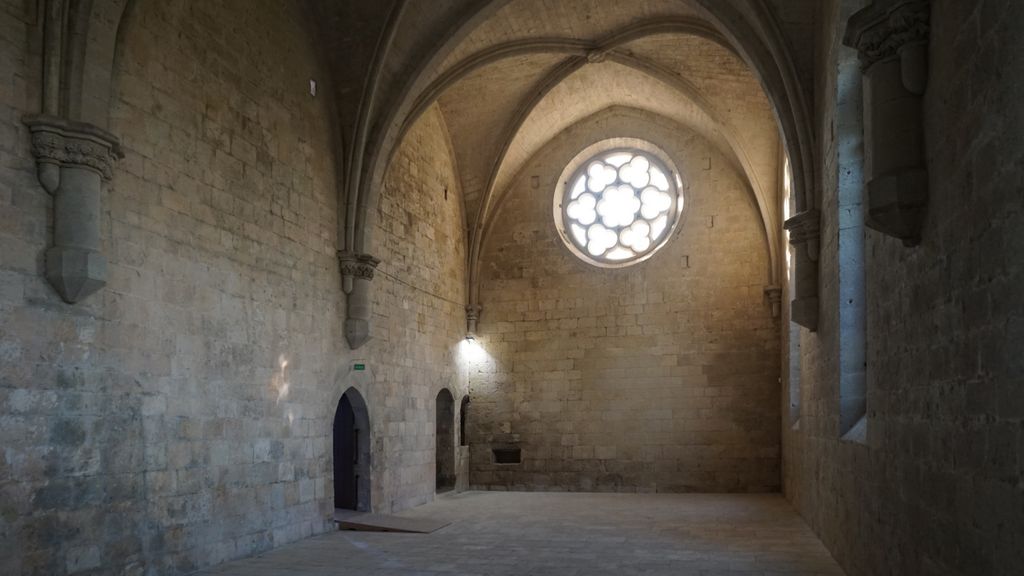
352	453
463	414
445	452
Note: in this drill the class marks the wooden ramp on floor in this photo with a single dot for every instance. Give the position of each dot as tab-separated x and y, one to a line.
368	522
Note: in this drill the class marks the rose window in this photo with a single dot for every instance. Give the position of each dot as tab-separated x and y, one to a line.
619	208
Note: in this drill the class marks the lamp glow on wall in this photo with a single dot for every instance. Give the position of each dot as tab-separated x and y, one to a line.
471	351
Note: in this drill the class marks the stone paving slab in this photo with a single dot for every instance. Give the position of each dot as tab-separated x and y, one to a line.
569	534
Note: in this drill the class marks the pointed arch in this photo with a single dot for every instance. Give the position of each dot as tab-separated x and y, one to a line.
351	453
444	455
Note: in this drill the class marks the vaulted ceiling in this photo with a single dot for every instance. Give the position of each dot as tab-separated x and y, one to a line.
510	75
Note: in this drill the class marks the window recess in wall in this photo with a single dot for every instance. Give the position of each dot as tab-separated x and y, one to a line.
507	455
850	186
794	333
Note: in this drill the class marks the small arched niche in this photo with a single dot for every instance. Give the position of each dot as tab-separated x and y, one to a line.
352	453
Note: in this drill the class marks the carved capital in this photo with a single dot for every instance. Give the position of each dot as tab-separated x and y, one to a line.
893	46
472	318
59	142
774	295
881	33
72	161
358	303
804	231
360	266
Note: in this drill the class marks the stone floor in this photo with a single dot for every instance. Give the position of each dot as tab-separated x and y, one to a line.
569	535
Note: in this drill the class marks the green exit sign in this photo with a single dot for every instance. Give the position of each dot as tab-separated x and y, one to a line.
359	367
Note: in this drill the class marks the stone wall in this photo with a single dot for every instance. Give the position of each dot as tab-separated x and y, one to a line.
182	415
937	488
177	418
656	377
419	313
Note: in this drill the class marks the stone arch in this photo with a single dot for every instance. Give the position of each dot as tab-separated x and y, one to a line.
368	141
95	30
752	32
444	427
566	46
351	453
82	45
578	53
80	53
686	90
501	196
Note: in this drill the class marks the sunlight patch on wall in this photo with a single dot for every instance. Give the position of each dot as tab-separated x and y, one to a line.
279	381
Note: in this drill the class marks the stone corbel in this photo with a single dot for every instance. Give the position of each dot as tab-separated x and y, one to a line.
73	159
774	296
472	317
804	234
892	42
804	231
356	278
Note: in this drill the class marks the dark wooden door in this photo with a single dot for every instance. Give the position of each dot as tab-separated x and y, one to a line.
346	454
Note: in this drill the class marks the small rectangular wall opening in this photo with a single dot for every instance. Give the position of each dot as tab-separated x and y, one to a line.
507	455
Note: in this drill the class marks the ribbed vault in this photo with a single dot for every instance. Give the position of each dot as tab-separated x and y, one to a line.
509	75
506	92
